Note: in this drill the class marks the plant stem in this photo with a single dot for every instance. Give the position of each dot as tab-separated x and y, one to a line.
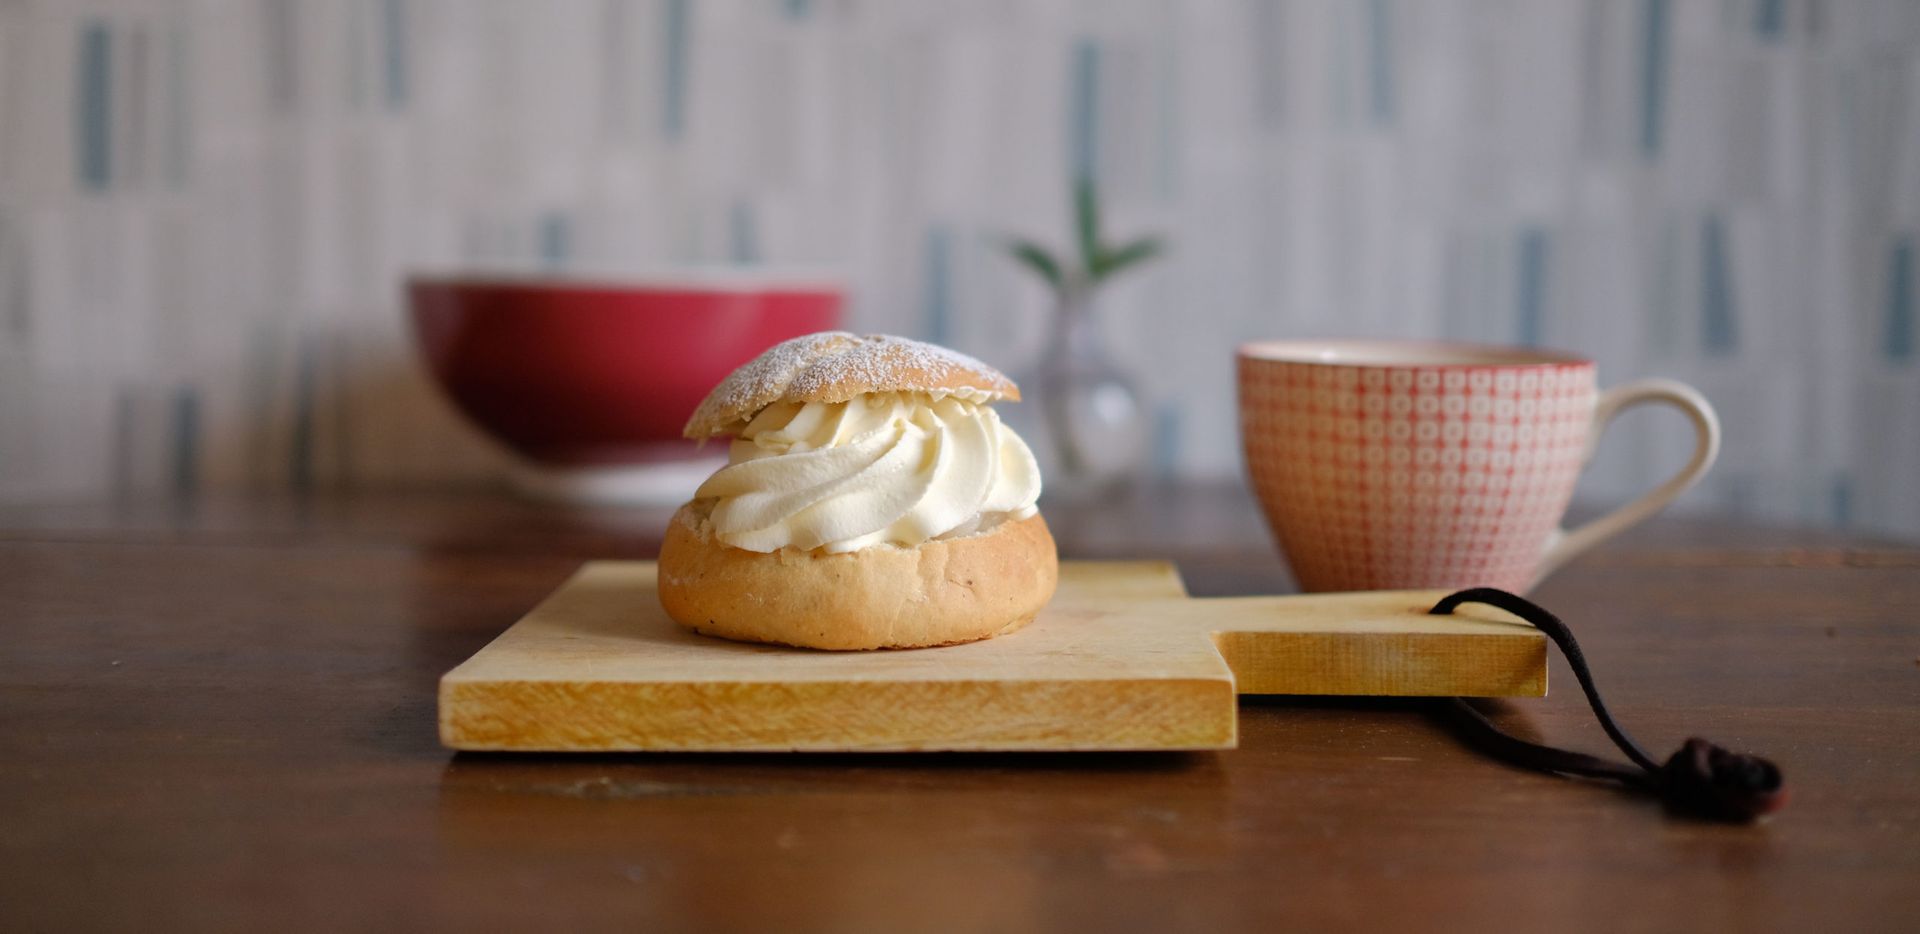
1057	403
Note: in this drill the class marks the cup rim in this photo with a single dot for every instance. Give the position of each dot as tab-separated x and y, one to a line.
689	278
1405	354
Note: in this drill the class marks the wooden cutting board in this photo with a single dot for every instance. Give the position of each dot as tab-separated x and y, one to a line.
1121	659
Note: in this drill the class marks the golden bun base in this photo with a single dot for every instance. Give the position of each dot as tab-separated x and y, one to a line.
884	597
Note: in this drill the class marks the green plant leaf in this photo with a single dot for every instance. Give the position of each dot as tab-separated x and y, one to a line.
1086	217
1037	258
1110	262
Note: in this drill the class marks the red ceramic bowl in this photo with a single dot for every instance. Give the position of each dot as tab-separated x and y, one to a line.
582	373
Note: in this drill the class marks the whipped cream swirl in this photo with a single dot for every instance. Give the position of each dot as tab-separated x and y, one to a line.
899	468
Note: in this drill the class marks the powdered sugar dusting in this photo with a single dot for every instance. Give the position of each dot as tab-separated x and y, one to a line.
895	363
833	366
763	379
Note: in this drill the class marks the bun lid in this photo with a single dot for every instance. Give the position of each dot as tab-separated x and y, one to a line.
834	366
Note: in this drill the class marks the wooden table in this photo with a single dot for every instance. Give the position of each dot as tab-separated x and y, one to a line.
221	714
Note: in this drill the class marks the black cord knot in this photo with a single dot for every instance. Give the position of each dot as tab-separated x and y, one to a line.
1706	779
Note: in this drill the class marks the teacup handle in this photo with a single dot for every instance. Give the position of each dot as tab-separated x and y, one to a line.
1565	543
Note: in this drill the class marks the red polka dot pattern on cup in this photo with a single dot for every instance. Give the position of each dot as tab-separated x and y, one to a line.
1389	477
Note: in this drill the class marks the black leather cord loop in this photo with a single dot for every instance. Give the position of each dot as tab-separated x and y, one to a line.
1700	778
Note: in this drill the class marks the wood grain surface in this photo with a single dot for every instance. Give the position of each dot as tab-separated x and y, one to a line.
220	716
1121	659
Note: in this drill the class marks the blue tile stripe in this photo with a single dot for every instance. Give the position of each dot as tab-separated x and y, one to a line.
1719	331
1653	75
1530	297
743	236
939	283
1083	115
556	239
93	108
1840	501
679	30
1897	338
1166	440
396	43
1770	19
1380	60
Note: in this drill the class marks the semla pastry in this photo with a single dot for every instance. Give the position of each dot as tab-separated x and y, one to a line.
872	499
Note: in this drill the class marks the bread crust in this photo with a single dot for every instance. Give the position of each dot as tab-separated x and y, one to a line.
834	366
936	593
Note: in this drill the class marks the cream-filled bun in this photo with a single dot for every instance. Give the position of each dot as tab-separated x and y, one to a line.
872	499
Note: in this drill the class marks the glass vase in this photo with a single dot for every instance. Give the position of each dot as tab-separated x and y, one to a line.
1082	413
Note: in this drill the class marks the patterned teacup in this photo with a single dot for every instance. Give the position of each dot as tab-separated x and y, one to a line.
1386	465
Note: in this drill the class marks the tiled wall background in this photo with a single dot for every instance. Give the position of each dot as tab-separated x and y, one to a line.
206	205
